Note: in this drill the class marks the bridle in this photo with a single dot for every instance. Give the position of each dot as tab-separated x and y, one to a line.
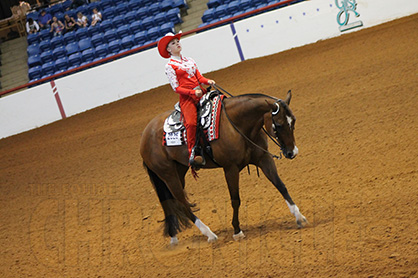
276	126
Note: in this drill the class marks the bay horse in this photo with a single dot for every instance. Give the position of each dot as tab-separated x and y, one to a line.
241	142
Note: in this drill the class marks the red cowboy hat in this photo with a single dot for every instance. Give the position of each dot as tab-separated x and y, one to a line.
164	41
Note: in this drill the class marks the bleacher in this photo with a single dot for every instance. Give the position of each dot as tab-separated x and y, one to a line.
125	25
219	10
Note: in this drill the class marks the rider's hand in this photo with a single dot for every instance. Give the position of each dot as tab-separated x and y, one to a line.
211	82
198	93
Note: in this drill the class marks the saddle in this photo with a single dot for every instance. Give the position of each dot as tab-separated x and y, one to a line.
208	111
174	122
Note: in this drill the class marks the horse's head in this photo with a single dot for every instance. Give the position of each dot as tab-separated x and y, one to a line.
283	126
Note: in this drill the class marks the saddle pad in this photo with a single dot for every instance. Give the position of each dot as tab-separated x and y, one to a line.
175	132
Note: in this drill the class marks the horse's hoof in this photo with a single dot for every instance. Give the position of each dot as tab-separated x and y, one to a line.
302	222
238	236
213	238
174	241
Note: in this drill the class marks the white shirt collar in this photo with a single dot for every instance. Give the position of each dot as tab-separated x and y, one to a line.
177	58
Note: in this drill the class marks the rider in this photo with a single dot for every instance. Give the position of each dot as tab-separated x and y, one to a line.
187	81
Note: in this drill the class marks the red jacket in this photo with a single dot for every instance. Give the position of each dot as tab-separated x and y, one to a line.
184	77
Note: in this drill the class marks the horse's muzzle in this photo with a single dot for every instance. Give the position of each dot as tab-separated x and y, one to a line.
291	154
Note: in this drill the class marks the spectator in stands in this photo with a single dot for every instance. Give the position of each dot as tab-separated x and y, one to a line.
32	26
82	20
44	20
96	17
70	23
75	4
25	6
186	80
57	27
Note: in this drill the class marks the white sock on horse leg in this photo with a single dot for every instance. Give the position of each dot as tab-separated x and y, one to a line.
205	229
294	210
174	240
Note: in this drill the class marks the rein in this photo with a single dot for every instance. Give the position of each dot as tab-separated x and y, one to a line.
217	87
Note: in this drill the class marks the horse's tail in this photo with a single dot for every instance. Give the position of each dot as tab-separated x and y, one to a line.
177	215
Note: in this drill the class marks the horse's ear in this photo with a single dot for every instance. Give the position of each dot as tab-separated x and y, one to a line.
289	97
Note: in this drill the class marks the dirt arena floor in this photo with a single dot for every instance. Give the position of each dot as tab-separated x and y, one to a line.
76	202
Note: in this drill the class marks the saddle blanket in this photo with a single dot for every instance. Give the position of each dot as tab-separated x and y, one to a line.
175	131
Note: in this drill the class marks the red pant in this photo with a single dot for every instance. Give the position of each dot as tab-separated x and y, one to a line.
189	111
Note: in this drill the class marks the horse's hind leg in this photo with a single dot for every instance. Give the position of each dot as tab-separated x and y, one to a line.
178	207
266	163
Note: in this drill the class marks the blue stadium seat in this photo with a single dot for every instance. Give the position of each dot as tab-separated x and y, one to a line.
108	14
257	3
57	42
35	73
233	7
97	39
154	33
57	8
60	17
34	60
45	34
141	37
45	45
85	44
34	15
61	64
147	2
124	30
83	9
174	15
142	13
155	8
47	57
122	9
221	11
110	35
214	3
181	4
167	5
130	17
71	13
167	28
106	25
75	59
66	4
128	42
33	38
106	4
161	18
102	50
34	49
88	55
208	15
134	5
136	27
82	33
94	30
118	21
114	46
70	37
245	4
48	68
72	48
148	22
95	5
59	52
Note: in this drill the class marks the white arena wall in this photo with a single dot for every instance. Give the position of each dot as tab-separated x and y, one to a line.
265	34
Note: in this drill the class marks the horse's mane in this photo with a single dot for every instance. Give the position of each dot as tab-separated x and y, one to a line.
254	95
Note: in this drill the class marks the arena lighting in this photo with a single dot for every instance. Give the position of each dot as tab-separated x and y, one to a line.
139	49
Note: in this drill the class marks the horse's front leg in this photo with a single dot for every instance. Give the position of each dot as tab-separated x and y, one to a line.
266	163
232	179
